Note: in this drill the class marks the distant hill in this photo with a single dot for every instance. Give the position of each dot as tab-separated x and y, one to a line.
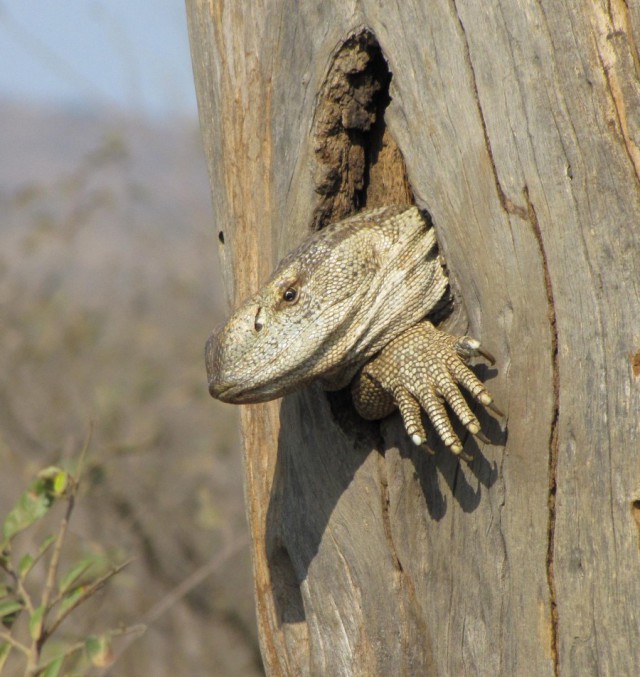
39	142
119	187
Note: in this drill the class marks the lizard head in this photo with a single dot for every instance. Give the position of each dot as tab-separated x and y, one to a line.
294	329
330	305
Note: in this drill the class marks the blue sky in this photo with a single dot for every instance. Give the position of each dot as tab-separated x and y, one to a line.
133	54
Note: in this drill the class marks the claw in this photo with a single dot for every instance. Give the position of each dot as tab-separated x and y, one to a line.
423	370
495	409
487	400
487	356
458	451
482	437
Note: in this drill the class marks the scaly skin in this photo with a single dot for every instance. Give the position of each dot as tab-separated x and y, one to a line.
356	290
421	369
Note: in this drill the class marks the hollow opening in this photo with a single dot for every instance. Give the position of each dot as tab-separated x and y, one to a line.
358	162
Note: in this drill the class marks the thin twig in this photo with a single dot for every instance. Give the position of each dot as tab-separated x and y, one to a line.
89	592
22	592
41	554
78	646
24	595
63	592
37	633
83	454
181	590
193	580
52	571
6	637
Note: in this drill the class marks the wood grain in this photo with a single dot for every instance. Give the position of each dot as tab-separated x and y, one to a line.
519	125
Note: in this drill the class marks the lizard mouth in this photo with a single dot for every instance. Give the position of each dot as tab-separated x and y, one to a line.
219	390
234	393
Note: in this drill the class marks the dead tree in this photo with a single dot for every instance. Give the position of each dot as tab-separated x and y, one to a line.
517	127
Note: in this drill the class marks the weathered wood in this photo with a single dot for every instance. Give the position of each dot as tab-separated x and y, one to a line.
519	124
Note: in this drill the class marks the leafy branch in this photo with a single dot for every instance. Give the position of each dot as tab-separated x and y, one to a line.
60	595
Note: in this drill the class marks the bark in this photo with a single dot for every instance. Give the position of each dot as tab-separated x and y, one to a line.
517	126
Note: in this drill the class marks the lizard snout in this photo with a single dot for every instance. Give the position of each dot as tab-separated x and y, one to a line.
212	355
226	348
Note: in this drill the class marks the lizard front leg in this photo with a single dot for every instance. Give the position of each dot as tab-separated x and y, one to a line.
422	369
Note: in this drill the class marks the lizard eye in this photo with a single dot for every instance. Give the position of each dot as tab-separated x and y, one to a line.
290	295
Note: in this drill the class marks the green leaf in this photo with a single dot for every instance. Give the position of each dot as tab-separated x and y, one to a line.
4	591
31	506
46	544
52	481
53	668
71	598
4	654
9	611
99	650
60	483
50	474
35	623
50	484
74	573
10	606
26	562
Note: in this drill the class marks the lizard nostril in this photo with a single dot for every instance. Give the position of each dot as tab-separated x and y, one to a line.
258	323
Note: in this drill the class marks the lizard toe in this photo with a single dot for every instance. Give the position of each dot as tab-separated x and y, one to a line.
467	347
411	415
433	404
424	369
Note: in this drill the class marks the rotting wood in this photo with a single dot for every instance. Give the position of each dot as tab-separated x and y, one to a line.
358	161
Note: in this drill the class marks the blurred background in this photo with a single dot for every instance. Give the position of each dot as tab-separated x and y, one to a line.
109	287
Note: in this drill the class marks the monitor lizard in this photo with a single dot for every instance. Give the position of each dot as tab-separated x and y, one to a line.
349	306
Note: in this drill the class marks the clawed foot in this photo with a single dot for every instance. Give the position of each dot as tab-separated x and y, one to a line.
421	370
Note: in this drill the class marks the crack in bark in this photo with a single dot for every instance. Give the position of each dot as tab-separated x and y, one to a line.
386	524
386	520
553	433
617	99
608	58
505	201
620	15
529	215
410	602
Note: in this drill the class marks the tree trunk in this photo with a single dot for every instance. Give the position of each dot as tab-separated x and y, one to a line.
516	125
